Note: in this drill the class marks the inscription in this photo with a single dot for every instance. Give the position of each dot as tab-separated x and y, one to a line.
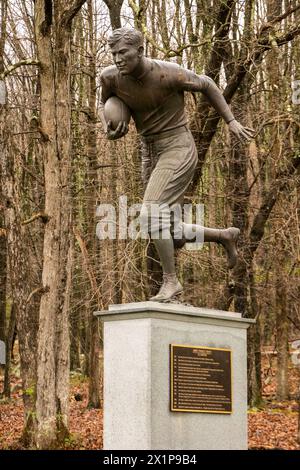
200	379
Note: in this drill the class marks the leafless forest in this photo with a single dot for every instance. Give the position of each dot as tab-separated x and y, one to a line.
57	166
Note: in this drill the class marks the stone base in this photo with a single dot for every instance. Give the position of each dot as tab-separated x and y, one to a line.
137	414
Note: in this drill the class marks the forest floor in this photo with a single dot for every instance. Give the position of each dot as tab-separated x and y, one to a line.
272	426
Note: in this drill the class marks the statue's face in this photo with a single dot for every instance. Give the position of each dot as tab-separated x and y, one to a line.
126	56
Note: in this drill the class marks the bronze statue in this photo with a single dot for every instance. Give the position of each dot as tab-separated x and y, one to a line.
154	92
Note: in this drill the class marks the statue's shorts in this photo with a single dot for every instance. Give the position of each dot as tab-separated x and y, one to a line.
169	161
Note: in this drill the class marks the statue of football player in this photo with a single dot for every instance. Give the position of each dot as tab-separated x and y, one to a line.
154	92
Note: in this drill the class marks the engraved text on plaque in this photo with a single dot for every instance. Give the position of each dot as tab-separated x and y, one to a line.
200	379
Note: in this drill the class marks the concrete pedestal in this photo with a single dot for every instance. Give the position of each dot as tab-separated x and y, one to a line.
137	412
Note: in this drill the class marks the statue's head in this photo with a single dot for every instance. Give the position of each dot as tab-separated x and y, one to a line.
127	49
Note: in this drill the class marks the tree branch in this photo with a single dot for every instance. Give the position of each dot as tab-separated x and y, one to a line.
294	323
17	65
223	21
260	219
71	12
257	230
40	215
167	52
88	266
210	119
263	43
38	290
281	17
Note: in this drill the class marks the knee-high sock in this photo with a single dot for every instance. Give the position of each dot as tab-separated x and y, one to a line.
165	249
203	234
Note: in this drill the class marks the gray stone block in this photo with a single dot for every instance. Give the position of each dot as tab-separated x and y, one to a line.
137	412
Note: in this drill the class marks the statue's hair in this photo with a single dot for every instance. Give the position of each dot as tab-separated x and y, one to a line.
130	35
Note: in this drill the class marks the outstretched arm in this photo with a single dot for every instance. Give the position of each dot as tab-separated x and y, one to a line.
207	86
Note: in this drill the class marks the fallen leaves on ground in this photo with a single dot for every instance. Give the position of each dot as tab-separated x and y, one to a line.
276	425
273	430
273	427
85	423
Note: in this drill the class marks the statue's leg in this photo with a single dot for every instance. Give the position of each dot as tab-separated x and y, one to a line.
227	237
171	285
176	161
162	239
165	250
161	236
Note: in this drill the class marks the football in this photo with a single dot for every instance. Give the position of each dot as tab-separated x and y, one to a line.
115	110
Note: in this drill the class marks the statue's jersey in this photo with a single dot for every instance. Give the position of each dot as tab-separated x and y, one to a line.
156	98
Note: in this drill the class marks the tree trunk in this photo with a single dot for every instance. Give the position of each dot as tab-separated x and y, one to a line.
282	345
94	327
75	342
94	372
9	346
298	436
3	240
18	262
3	278
53	35
255	383
114	7
3	281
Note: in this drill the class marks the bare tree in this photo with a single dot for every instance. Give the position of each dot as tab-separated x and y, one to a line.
53	23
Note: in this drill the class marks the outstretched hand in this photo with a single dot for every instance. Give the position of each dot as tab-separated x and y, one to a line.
120	131
241	132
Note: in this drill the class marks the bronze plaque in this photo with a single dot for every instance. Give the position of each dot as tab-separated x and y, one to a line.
200	379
